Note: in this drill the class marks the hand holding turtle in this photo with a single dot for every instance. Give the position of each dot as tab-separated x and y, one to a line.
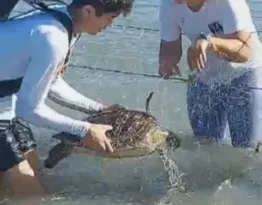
97	140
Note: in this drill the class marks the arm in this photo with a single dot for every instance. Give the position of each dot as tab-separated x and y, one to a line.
238	27
171	45
63	94
30	104
235	47
170	54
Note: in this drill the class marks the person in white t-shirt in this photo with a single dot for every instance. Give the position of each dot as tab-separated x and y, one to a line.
226	66
33	50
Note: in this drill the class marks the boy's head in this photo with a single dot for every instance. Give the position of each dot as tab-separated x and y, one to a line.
92	16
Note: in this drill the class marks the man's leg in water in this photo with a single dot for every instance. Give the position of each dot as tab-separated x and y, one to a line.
23	179
244	109
206	111
19	162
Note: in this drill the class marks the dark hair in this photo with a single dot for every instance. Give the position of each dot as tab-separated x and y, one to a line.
106	6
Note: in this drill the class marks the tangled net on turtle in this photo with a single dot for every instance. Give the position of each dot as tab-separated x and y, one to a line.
135	133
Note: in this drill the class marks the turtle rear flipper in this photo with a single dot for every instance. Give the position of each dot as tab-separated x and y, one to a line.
57	153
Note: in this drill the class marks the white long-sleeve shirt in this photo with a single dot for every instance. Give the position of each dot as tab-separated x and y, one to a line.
62	93
34	47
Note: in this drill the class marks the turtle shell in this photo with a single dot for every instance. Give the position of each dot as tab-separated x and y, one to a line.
130	127
135	133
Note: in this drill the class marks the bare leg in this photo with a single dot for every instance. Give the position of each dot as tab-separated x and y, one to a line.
23	180
33	159
3	187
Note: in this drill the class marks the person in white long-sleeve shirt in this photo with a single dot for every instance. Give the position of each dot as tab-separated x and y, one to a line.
32	53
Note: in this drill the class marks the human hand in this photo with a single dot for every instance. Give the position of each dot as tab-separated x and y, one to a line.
61	70
166	71
97	140
198	54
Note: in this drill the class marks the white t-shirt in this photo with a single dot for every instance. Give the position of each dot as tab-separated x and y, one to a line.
34	47
215	17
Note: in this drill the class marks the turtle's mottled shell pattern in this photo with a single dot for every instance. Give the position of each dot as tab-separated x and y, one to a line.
129	127
134	133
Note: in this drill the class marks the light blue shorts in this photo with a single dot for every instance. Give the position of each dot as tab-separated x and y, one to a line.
239	104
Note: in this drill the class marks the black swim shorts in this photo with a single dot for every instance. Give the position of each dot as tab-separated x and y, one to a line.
16	138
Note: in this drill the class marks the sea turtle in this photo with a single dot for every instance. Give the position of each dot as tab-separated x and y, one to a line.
135	133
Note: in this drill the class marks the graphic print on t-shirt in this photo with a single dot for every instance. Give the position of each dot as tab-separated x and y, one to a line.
216	28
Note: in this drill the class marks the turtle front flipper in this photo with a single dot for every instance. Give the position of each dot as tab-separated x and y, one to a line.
57	153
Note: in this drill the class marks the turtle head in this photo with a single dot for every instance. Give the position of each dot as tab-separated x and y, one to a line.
160	137
173	141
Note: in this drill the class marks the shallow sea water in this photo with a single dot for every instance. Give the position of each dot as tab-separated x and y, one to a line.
207	169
